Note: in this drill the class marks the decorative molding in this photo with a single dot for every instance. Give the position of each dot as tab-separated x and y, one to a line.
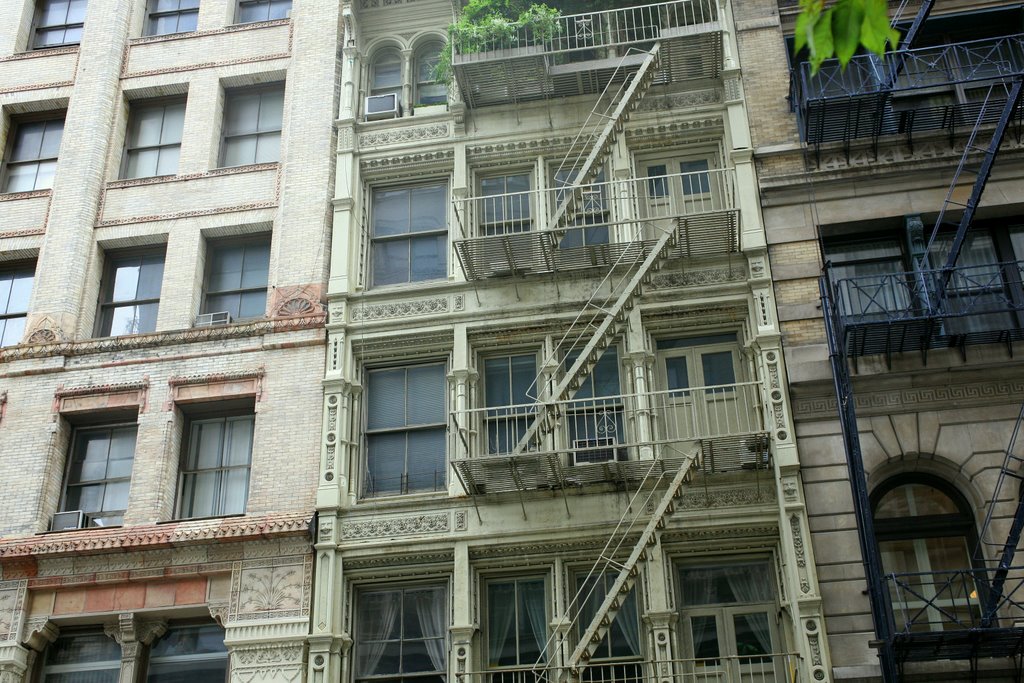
18	196
377	4
514	150
12	603
210	378
404	134
41	54
29	232
765	534
387	527
751	495
101	397
292	301
213	173
418	163
157	535
396	565
191	35
42	349
650	134
677	101
699	278
271	588
942	396
366	312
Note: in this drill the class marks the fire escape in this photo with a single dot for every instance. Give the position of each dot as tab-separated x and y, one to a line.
971	613
648	442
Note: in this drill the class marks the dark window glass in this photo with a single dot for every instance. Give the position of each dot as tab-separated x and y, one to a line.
15	290
410	235
33	155
252	126
131	294
237	279
215	474
100	473
58	22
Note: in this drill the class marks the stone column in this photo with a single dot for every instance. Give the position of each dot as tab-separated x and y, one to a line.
464	626
61	271
639	363
327	644
133	635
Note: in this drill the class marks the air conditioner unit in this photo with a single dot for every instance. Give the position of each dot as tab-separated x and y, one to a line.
213	319
72	519
589	451
382	107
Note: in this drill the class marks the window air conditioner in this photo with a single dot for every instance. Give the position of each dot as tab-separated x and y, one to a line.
588	451
213	319
73	519
382	107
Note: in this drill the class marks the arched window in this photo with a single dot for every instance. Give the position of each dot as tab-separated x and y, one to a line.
386	74
428	89
926	536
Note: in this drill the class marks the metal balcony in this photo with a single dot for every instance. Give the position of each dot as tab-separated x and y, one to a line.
918	90
611	439
615	223
942	614
585	51
763	668
897	312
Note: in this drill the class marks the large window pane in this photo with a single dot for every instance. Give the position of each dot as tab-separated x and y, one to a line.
215	474
99	473
237	279
400	634
252	126
397	214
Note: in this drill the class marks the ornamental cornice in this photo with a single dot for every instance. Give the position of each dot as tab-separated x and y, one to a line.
179	380
542	548
213	173
92	389
158	339
392	565
99	540
404	134
361	312
430	161
698	278
404	525
514	149
766	534
728	498
912	399
233	28
682	100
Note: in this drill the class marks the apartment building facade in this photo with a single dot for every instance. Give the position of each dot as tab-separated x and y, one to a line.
557	440
886	263
164	237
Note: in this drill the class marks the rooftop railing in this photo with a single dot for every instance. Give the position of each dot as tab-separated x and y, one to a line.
577	36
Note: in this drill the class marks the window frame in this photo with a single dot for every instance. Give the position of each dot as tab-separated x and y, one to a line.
134	109
409	236
37	26
219	498
103	327
508	414
422	53
578	576
361	592
586	222
13	270
214	245
45	669
171	659
153	15
501	227
269	4
12	137
227	138
488	581
368	433
66	483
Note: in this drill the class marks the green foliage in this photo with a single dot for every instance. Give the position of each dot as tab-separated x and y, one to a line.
838	31
496	24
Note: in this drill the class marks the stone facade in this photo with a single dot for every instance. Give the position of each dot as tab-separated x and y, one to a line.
248	575
944	418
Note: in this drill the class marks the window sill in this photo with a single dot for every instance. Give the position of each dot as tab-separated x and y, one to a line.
231	28
212	173
400	500
184	520
25	194
46	51
425	110
84	528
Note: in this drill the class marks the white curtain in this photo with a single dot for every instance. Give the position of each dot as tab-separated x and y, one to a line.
747	586
430	611
377	615
629	623
535	615
697	590
501	614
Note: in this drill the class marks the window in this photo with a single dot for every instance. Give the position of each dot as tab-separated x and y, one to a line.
172	16
215	474
677	187
92	657
869	277
400	635
130	296
189	653
428	89
263	10
504	204
386	73
32	159
509	390
925	531
236	279
410	236
405	429
728	618
591	210
516	623
252	126
617	657
594	416
15	290
58	22
154	140
100	473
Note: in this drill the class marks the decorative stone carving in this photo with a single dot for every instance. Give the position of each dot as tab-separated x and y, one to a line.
397	526
405	134
296	300
677	101
728	498
45	330
271	588
12	600
696	278
366	312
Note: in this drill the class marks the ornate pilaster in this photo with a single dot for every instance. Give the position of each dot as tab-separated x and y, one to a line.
661	625
133	635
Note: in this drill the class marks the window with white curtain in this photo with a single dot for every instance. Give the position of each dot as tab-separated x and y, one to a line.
728	615
516	622
400	635
405	429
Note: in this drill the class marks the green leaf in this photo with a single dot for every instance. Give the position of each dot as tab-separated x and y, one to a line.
804	24
821	44
875	31
847	18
